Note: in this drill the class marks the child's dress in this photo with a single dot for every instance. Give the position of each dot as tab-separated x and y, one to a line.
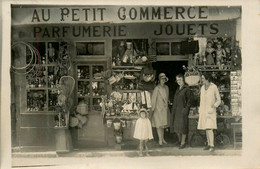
143	129
210	52
220	54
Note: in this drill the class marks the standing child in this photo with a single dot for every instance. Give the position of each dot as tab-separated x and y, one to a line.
143	131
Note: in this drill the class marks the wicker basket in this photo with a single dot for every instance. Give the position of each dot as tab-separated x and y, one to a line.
82	108
192	78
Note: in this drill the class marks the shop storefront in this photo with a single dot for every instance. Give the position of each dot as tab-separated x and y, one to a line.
89	70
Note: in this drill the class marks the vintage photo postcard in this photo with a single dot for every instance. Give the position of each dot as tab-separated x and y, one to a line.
156	84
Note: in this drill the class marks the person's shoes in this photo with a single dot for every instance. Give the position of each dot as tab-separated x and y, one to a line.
211	149
140	154
164	142
178	143
182	146
160	143
206	148
147	154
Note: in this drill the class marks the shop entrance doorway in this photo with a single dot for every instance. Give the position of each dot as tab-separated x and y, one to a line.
171	69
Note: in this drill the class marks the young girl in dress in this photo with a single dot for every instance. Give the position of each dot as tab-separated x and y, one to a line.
143	131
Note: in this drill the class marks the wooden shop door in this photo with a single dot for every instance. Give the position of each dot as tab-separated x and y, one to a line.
90	86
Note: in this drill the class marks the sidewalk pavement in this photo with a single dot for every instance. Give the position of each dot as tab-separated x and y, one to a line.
51	158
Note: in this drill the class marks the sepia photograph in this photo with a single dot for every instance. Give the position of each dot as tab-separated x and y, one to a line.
114	83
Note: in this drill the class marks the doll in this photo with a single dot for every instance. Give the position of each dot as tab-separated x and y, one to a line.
143	131
236	59
51	53
220	54
128	55
228	55
210	54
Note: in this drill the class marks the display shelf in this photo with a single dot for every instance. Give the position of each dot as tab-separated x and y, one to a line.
36	88
121	117
220	117
124	70
129	91
84	96
40	113
127	67
213	68
83	80
225	91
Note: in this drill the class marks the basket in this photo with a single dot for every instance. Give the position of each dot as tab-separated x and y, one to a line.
109	123
192	78
82	108
117	125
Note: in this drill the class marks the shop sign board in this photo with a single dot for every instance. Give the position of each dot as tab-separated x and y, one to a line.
153	30
23	15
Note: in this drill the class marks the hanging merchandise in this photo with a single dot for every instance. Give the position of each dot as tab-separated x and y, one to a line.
35	58
82	108
148	73
109	123
236	59
74	121
112	80
191	76
147	78
148	99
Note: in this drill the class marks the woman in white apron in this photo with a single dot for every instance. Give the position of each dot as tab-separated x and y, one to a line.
209	101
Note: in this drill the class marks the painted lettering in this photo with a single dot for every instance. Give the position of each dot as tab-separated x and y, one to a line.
64	12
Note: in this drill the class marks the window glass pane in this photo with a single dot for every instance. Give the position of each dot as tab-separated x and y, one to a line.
162	48
52	52
36	76
40	47
175	48
83	89
53	99
96	104
83	72
90	48
98	88
36	100
97	72
85	100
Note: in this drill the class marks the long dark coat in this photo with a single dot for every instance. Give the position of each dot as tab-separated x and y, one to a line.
180	110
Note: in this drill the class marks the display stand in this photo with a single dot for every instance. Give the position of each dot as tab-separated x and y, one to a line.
63	140
237	134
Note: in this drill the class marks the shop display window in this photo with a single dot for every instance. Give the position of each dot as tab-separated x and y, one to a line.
36	77
91	84
83	88
128	52
52	52
41	48
53	99
90	48
175	48
83	72
163	48
42	78
96	104
36	100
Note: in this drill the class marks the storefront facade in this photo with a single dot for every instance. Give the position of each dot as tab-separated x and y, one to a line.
84	43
